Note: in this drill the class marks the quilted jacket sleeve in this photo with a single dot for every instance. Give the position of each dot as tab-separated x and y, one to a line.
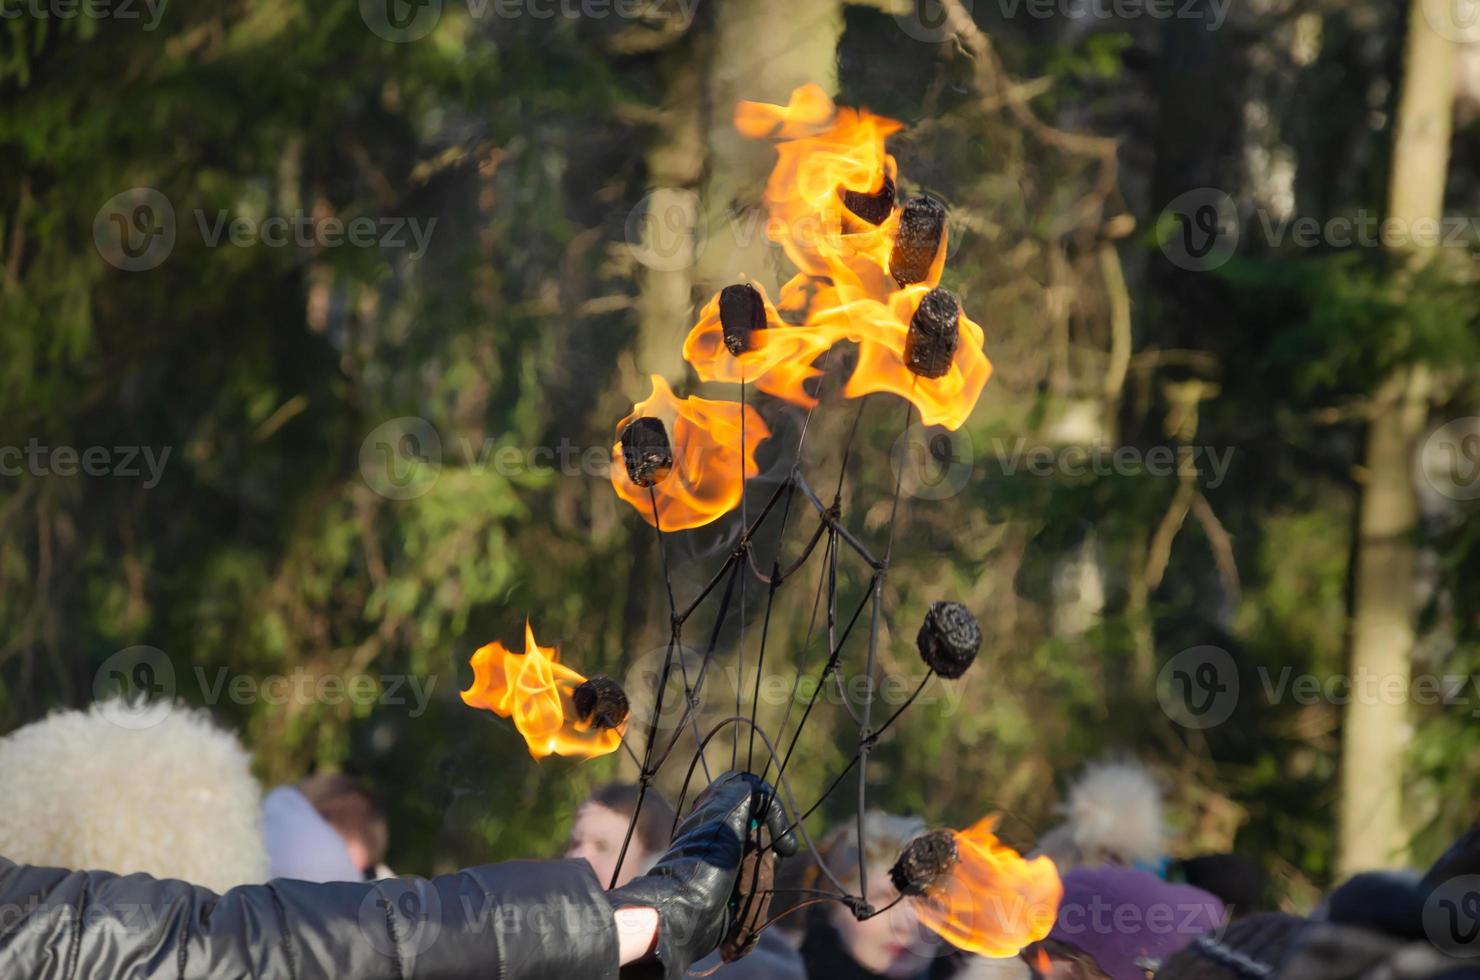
524	920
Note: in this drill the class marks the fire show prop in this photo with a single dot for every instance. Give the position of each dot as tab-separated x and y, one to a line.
868	274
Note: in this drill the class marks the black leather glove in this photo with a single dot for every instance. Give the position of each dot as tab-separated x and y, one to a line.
693	885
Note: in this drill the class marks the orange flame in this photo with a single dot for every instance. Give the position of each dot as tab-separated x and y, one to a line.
994	901
844	290
880	330
823	151
705	482
535	690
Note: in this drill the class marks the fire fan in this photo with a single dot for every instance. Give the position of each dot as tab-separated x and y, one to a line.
869	269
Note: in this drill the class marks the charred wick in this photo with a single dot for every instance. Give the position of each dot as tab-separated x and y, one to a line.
949	639
922	227
742	312
873	208
601	702
923	862
930	345
646	451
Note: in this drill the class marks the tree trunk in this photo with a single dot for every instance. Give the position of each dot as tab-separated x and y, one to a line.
762	50
1374	828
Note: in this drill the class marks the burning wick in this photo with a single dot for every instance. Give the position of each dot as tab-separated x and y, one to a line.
949	639
873	208
646	451
925	861
742	312
601	702
976	892
930	345
540	695
922	227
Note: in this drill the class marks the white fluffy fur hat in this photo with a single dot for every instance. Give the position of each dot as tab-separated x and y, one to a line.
165	792
1114	816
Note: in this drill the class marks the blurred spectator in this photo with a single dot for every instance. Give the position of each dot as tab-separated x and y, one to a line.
601	825
1239	882
1121	924
893	944
327	828
1113	816
156	789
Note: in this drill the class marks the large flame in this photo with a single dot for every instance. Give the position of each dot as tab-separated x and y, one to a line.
994	901
822	151
844	290
535	690
705	482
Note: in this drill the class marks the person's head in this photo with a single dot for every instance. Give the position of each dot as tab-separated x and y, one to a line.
893	943
601	824
349	809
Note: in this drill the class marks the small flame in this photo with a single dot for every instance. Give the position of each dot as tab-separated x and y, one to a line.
535	690
880	330
705	483
993	902
1042	963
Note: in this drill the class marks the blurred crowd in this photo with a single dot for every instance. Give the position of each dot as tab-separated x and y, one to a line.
87	791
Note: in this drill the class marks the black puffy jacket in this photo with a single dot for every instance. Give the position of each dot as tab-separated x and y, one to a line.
524	920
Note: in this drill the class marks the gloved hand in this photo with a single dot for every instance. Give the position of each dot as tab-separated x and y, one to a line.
692	886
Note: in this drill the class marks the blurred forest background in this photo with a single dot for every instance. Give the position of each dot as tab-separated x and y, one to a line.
589	193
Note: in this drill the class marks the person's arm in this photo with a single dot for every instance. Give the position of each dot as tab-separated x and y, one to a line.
523	920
